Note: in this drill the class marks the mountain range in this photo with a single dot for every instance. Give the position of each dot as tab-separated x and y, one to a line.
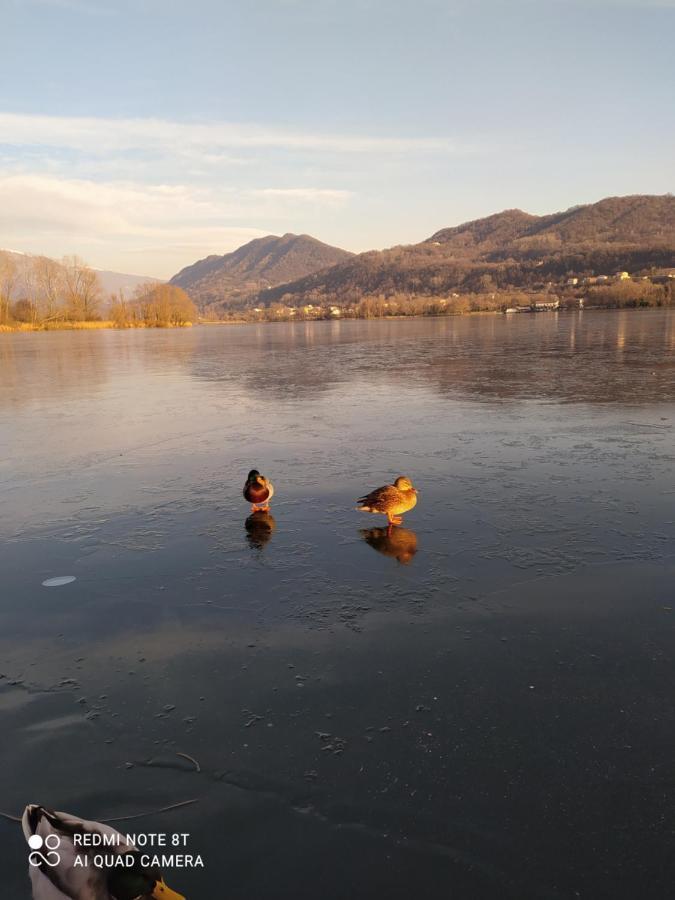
257	266
511	249
637	219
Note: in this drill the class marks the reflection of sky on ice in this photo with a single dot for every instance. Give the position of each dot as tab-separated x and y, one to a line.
539	551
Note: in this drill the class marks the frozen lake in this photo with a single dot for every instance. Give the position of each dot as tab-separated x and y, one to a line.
479	705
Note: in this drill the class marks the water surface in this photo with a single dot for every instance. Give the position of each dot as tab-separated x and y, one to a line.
477	705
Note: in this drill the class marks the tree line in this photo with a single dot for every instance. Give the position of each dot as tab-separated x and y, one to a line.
40	292
622	295
154	306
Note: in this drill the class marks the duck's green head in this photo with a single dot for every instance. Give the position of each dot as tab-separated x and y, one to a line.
138	883
253	475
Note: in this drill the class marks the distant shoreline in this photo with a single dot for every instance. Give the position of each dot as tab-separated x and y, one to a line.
107	325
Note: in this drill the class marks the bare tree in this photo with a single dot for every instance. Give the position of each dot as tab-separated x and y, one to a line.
122	312
8	274
164	304
82	289
50	282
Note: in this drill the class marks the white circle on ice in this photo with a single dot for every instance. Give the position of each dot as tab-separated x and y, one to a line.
58	581
35	842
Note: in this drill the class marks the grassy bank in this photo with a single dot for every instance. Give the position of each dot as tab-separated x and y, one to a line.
81	326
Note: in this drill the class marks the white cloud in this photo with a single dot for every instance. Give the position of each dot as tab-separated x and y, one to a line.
44	202
109	189
89	134
132	208
169	225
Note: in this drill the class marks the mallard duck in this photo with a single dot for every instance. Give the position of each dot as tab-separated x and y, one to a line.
260	526
398	543
258	490
392	500
51	837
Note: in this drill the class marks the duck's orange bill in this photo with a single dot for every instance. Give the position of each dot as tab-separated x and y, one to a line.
162	891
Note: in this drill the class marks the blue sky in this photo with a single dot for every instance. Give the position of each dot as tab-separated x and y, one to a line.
144	134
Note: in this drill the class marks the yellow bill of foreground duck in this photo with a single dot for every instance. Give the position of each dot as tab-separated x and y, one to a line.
391	500
61	861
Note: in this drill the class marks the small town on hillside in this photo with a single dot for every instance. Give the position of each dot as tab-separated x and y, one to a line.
572	292
574	283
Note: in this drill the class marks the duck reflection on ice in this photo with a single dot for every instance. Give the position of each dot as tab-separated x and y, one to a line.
399	543
260	526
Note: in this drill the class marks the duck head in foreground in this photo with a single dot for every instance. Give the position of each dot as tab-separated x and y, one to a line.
56	841
391	500
258	490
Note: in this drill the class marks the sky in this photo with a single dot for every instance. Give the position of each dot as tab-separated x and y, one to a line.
143	135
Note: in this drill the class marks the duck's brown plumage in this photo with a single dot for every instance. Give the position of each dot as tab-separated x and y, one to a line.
258	489
256	493
392	500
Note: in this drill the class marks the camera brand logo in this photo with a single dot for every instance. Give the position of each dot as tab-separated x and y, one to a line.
51	844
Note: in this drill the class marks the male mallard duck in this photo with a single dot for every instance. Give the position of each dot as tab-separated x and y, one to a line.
51	837
258	491
398	543
392	500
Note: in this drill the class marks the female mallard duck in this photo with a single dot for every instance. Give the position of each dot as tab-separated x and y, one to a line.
392	500
55	847
258	490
